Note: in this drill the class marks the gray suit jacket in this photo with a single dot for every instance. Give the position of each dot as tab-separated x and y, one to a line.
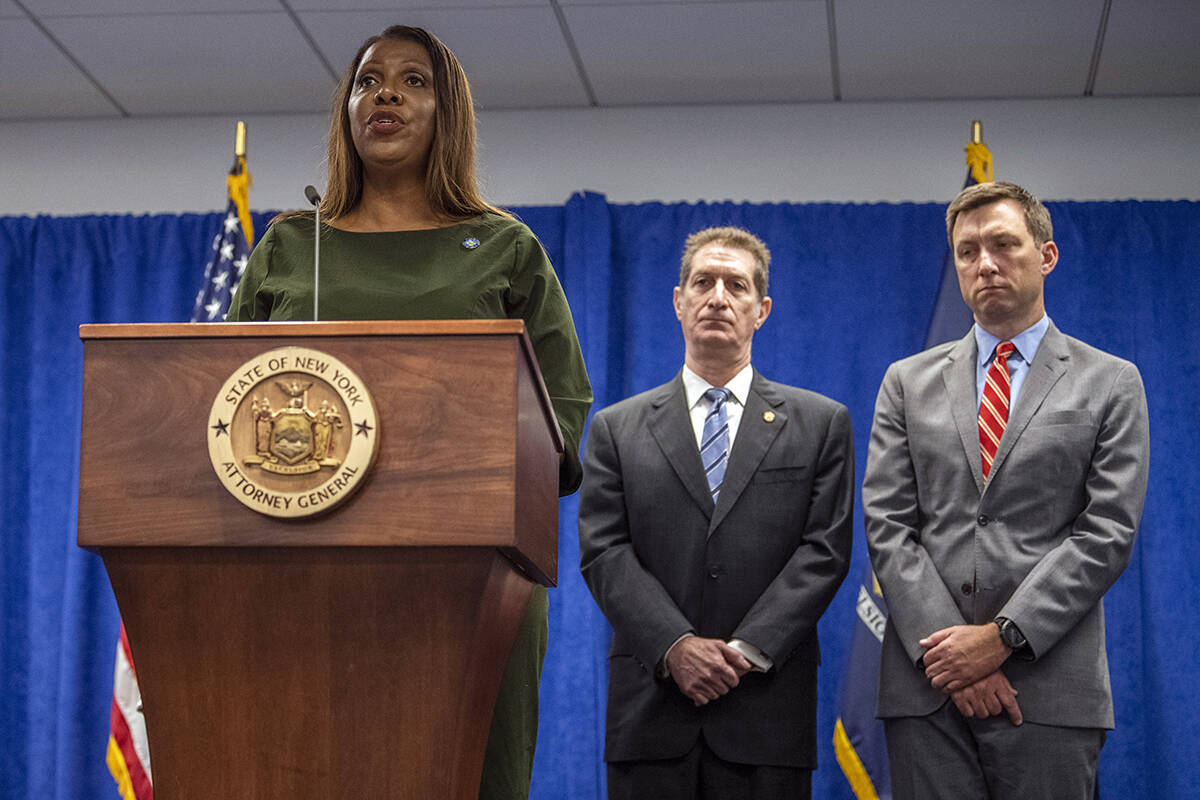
761	565
1040	542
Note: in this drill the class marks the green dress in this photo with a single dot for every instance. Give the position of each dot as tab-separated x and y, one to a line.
487	268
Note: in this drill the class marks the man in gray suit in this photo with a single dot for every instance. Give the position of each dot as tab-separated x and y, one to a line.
715	525
995	532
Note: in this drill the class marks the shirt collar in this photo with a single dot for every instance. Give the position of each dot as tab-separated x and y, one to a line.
694	386
1026	342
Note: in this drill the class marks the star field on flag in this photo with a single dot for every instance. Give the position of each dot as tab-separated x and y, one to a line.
230	250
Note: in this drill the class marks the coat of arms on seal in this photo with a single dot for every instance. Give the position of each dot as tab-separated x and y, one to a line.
292	432
294	439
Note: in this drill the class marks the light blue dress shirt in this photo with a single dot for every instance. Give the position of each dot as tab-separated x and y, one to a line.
1026	343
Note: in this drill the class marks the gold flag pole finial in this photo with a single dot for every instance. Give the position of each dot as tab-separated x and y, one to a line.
979	159
238	183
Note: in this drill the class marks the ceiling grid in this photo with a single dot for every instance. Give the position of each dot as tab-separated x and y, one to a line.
137	58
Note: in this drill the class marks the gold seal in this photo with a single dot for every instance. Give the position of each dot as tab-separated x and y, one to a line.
292	432
768	416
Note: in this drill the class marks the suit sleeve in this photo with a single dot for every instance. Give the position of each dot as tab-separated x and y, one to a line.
1069	580
250	301
918	601
787	612
636	604
536	296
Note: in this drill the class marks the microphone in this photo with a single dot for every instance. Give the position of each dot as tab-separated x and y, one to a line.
310	192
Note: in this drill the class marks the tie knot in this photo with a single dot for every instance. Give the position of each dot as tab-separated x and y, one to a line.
717	396
1005	349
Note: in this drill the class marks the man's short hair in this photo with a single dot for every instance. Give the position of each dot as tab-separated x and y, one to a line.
1037	218
728	236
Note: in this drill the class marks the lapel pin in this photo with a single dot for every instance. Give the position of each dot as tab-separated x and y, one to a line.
768	416
470	243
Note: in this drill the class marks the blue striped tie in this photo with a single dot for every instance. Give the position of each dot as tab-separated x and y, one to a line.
714	441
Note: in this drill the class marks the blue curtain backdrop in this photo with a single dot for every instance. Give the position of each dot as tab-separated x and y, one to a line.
853	287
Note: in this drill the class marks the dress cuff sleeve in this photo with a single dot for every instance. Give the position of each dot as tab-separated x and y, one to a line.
759	661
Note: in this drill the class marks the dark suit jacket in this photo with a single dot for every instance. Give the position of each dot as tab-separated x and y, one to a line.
761	566
1039	542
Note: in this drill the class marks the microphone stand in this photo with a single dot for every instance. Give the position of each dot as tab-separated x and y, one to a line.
310	192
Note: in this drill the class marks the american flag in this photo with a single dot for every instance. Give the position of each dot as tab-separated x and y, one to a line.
128	755
128	749
230	250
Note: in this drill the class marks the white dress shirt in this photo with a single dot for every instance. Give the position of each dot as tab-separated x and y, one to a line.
694	388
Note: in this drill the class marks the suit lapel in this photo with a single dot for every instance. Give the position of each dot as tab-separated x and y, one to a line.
754	438
1048	366
959	375
671	426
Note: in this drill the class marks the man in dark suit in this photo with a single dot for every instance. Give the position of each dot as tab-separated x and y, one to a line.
715	525
1004	484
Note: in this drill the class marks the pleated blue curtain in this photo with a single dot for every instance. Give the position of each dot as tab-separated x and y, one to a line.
853	289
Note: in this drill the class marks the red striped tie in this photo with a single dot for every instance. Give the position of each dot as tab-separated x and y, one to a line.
993	408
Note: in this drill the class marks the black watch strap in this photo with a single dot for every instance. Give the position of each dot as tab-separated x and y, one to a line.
1010	634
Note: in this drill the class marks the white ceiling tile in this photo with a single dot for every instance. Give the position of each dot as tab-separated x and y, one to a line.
39	81
666	5
1151	47
110	8
514	58
754	52
199	64
400	8
165	57
926	49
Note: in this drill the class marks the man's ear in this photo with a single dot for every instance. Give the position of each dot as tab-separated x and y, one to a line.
1049	257
764	311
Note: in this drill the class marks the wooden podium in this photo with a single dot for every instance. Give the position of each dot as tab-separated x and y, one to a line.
355	654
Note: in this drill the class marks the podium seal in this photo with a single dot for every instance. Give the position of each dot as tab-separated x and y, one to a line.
293	432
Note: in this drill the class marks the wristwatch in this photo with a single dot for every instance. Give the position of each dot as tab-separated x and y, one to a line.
1010	634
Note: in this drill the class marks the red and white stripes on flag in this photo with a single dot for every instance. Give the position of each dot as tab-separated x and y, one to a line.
128	749
993	406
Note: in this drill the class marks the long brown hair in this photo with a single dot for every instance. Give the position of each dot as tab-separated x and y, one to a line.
450	176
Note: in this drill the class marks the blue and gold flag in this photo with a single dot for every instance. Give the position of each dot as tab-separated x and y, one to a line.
858	739
858	736
951	317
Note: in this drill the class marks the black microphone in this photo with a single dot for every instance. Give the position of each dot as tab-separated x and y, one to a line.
310	192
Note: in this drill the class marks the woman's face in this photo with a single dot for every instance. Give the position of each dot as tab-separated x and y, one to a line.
392	106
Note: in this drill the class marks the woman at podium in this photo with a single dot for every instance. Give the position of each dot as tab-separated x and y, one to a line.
405	234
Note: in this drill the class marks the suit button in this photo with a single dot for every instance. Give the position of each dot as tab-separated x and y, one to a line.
714	571
983	519
966	588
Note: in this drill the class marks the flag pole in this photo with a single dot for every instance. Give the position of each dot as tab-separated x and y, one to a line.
238	183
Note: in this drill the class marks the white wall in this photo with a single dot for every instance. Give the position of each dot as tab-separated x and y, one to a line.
1078	149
